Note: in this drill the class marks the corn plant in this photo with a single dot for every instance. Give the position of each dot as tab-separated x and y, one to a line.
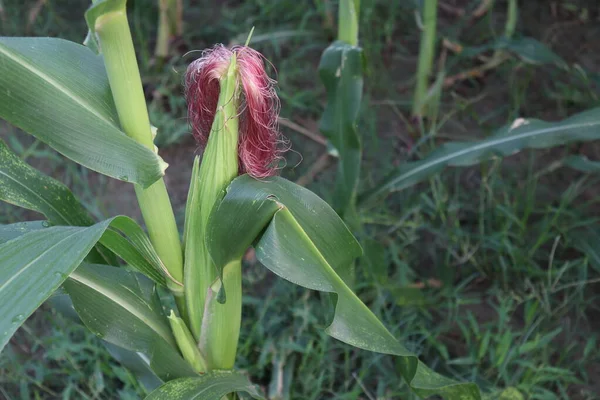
516	136
169	310
426	55
341	70
170	25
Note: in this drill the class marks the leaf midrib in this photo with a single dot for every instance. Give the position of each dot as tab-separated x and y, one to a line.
29	66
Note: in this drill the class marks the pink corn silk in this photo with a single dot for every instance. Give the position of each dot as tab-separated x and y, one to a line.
259	147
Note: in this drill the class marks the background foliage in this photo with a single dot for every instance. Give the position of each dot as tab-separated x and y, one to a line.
489	273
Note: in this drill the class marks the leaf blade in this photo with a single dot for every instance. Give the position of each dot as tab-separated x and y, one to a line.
341	69
123	309
34	266
522	134
211	386
58	91
301	239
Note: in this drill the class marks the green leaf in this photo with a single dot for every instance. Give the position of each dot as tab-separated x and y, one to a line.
211	386
587	240
34	265
24	186
58	91
531	51
300	238
136	364
136	250
317	218
341	70
13	231
582	164
521	134
123	308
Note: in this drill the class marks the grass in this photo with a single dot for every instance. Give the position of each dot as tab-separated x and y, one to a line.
484	272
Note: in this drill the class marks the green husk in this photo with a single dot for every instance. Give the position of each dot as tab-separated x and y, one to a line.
209	180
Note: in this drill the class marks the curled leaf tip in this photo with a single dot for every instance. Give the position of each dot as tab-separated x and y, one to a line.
260	144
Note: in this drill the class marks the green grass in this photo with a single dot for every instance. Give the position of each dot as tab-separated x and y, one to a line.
483	272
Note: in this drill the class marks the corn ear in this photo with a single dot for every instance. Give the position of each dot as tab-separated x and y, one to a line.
218	168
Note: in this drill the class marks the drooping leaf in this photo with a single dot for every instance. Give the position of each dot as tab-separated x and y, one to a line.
521	134
34	265
137	363
300	238
135	248
26	187
123	308
211	386
341	70
58	91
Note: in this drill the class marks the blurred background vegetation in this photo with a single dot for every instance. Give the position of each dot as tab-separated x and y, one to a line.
489	273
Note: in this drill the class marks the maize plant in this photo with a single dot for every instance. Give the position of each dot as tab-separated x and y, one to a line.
170	26
341	70
168	309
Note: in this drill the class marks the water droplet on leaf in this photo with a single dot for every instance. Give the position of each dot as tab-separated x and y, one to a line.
18	318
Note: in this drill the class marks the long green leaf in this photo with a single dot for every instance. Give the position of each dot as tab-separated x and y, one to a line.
58	91
34	265
123	308
521	134
211	386
24	186
300	238
341	70
135	362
